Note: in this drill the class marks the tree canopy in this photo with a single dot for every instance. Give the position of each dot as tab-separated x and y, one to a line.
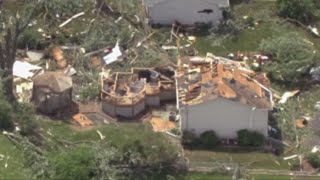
292	56
301	10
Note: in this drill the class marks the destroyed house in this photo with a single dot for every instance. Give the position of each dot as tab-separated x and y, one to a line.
129	94
220	95
185	12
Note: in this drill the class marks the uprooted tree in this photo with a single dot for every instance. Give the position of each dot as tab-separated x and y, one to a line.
10	32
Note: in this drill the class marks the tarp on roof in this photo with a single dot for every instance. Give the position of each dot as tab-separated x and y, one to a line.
25	70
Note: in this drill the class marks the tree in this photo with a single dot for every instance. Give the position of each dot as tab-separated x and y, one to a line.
10	31
292	56
301	10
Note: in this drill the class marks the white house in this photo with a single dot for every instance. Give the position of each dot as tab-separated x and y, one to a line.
186	12
223	98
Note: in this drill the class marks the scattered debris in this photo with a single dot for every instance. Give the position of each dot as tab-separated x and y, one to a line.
315	149
6	164
113	55
160	125
317	106
35	56
315	73
288	95
100	134
314	30
70	71
145	39
290	157
119	19
82	120
25	70
57	55
70	19
192	38
23	89
301	123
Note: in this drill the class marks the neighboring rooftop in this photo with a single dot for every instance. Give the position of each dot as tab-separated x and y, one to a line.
206	78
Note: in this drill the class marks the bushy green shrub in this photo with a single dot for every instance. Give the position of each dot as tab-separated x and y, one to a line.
5	114
24	116
301	10
313	159
209	139
30	38
248	138
189	139
74	164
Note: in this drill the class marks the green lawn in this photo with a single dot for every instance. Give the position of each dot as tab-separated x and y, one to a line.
13	158
206	176
118	134
271	177
269	25
254	159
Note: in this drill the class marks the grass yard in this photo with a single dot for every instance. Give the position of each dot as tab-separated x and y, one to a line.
119	134
206	176
269	25
14	159
271	177
254	159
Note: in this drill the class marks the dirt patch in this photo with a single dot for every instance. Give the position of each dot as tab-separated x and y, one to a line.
306	166
160	125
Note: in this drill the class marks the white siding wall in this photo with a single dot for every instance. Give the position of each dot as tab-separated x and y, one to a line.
125	111
139	108
167	95
225	117
108	108
153	101
184	11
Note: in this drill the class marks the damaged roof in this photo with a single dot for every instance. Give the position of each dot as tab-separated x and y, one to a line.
199	81
55	81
